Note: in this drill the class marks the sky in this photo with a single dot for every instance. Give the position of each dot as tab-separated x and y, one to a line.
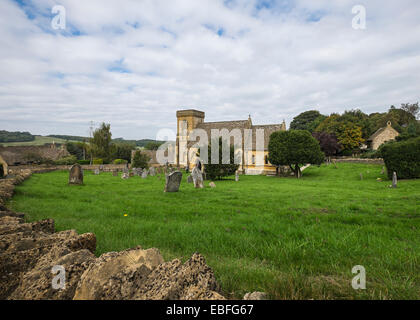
134	63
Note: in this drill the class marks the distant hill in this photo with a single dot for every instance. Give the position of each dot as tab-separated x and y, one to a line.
27	139
6	136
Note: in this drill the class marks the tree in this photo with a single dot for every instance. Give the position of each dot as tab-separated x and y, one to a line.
122	151
140	160
412	109
153	145
294	148
307	120
101	142
220	170
328	142
350	136
77	149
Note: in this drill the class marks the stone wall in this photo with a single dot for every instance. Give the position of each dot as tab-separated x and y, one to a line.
360	160
29	251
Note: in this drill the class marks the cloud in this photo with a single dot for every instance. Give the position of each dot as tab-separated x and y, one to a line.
134	63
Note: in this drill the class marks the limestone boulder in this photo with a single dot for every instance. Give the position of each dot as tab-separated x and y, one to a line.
114	274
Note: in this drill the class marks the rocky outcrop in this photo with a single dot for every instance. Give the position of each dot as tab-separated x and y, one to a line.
30	251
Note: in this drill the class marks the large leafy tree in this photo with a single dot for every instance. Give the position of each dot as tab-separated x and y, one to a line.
307	120
122	151
101	142
140	160
328	142
294	148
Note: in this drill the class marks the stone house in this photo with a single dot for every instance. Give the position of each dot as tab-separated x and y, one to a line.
253	160
382	135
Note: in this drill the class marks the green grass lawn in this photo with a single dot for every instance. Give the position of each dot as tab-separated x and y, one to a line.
295	239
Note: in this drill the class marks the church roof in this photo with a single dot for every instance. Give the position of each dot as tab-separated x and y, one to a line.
241	125
381	130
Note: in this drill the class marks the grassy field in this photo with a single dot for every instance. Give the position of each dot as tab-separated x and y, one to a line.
295	239
39	141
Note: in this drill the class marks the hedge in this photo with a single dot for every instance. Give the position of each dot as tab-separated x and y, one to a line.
403	158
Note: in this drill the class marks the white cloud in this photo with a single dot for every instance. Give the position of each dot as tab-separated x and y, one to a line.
134	63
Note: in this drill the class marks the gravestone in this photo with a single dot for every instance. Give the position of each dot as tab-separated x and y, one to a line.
152	171
190	179
383	170
101	167
125	176
212	185
76	174
236	176
197	178
115	173
173	181
144	174
394	179
96	171
361	176
126	170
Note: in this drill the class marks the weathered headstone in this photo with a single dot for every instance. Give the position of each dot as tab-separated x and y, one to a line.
96	171
212	185
144	174
173	181
190	179
394	179
361	176
101	167
197	178
152	171
76	174
126	170
115	173
383	170
125	175
236	176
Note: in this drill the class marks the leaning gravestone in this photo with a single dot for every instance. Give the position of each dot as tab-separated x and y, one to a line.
197	178
76	174
190	179
173	181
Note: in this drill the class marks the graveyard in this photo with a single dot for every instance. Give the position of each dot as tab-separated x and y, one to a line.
291	238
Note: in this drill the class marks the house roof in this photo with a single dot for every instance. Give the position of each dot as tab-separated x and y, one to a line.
381	130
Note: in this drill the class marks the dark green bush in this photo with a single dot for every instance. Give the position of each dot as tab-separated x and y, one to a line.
98	161
216	171
403	158
83	161
140	160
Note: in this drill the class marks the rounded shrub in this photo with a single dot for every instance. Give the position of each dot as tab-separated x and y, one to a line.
120	161
66	160
402	157
98	161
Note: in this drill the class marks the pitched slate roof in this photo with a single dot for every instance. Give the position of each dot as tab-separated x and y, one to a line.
241	125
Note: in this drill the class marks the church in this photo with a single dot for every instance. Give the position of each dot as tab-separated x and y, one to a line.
253	159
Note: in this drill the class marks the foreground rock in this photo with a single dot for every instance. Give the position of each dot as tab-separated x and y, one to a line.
30	251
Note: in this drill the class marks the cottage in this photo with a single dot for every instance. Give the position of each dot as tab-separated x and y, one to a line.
382	135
